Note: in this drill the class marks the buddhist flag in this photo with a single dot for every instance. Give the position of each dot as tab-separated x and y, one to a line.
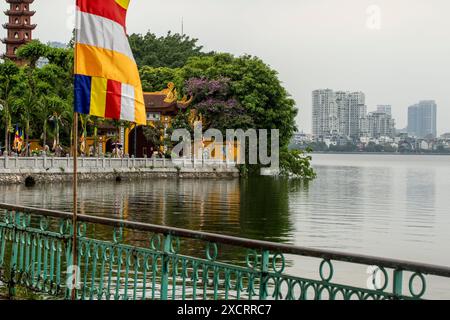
107	82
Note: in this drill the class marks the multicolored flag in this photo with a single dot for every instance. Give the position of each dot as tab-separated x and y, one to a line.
107	82
18	140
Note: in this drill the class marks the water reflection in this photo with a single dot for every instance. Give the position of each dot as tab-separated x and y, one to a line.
389	206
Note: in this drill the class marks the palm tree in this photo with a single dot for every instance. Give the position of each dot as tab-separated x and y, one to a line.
8	79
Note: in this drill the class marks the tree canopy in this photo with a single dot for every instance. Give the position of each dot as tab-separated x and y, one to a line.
230	92
253	84
171	50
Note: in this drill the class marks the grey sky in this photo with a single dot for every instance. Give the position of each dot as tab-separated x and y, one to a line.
312	43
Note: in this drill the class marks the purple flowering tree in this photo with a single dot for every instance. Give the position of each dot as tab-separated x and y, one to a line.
214	101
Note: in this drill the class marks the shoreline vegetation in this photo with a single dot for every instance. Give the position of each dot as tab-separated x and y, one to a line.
226	91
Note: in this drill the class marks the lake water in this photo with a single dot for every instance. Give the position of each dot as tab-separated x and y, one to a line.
382	205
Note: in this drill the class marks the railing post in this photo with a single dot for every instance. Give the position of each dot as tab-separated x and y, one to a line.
165	267
264	275
398	283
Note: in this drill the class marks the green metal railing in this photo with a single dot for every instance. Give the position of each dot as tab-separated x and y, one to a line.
122	260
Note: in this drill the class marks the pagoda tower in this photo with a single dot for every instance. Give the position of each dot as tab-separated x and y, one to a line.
19	28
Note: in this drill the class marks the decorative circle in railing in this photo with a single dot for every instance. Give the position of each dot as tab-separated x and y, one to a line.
423	283
43	223
175	245
64	226
322	271
155	242
213	256
251	259
106	253
375	279
282	263
82	228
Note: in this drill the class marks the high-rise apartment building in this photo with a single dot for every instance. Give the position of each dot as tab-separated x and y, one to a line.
422	119
325	113
384	108
352	111
339	112
380	124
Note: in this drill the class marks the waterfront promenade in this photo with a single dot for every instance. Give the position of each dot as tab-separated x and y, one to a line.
56	169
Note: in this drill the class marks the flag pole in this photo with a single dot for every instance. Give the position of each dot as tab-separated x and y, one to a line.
75	177
75	206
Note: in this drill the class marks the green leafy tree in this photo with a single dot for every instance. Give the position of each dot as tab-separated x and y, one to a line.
256	87
32	52
9	78
154	133
297	163
156	79
172	50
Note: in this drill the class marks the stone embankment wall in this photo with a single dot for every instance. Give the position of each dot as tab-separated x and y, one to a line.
49	170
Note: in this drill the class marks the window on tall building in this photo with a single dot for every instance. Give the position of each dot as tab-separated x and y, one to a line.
16	35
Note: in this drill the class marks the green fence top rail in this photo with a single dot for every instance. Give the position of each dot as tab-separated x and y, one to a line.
395	264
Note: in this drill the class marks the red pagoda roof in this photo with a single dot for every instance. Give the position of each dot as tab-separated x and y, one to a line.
20	1
14	41
19	26
19	13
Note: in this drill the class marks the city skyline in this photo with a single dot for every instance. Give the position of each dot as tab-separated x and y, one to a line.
311	45
345	113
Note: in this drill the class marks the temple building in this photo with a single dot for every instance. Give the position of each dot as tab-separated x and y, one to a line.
161	107
19	28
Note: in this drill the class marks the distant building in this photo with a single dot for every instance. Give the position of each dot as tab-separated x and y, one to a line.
384	108
422	119
19	28
352	111
325	113
339	113
381	124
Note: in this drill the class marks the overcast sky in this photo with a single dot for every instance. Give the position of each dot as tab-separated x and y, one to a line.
396	51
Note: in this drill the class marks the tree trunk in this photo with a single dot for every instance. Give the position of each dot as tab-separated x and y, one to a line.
57	134
44	138
27	130
6	129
